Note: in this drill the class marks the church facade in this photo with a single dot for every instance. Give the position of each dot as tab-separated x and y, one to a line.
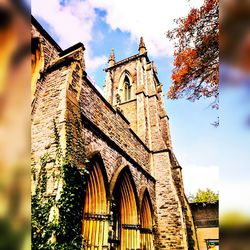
134	196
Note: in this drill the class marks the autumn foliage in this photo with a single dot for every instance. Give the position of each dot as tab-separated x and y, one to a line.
196	57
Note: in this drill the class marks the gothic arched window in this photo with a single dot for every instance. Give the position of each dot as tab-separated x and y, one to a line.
127	89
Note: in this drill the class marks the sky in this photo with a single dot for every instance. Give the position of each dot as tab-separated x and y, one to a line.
105	24
233	144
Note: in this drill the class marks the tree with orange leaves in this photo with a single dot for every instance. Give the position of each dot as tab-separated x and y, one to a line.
196	56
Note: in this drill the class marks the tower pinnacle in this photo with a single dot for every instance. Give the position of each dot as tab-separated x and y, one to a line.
112	58
142	48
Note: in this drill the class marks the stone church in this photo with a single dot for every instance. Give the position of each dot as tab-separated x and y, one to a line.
134	196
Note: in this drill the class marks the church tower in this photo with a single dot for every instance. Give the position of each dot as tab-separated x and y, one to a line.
132	86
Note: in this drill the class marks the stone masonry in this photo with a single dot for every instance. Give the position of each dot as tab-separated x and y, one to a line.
133	133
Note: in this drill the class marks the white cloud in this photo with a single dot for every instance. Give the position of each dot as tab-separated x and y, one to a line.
150	19
202	177
92	63
72	22
234	195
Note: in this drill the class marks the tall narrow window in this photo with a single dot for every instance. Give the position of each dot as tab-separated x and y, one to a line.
127	89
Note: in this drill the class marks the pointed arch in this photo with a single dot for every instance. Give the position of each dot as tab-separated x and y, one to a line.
146	221
96	156
125	73
125	197
96	207
125	86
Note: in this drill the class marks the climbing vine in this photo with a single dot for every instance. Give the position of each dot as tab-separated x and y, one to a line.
40	209
57	218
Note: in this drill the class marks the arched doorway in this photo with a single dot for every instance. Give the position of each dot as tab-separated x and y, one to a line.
125	228
95	212
146	223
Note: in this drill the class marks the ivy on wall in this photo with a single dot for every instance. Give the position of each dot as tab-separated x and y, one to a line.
57	218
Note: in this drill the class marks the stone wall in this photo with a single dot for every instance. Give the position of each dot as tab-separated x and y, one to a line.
138	138
170	220
128	109
49	106
205	214
104	129
206	220
112	123
51	49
